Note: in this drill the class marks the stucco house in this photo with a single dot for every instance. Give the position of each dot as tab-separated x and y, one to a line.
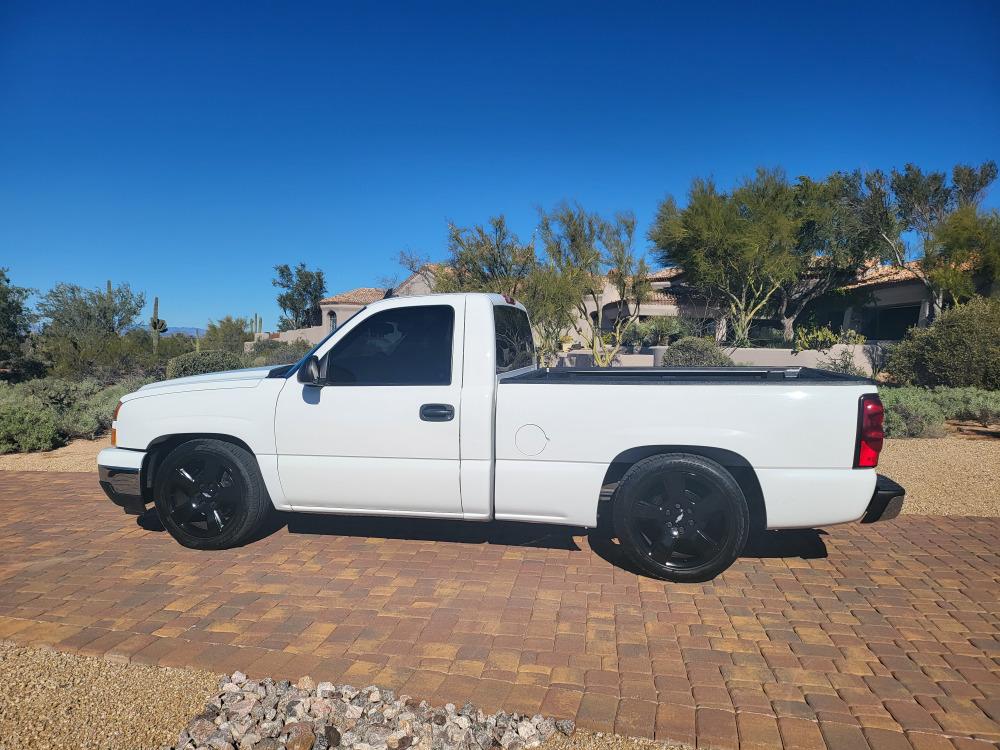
881	304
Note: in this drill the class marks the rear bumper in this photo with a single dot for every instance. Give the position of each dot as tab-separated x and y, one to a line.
886	502
120	475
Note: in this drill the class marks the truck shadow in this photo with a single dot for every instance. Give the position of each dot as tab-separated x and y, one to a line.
806	544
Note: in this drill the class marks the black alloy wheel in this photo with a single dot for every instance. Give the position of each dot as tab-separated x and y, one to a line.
680	517
204	495
209	494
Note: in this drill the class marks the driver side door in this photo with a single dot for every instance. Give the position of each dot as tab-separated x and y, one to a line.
380	435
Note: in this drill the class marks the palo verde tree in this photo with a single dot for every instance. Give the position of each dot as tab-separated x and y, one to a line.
303	289
926	204
485	259
591	253
737	249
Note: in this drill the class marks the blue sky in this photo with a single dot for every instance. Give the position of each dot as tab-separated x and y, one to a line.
187	147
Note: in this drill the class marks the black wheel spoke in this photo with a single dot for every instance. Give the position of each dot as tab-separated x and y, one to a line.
675	485
663	548
647	511
184	511
185	481
704	541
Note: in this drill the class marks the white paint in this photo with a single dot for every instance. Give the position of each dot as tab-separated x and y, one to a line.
530	439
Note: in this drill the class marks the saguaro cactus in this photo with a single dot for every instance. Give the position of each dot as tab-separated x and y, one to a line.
156	325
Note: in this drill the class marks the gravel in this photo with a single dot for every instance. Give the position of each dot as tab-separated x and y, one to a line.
268	715
264	714
54	700
79	455
951	476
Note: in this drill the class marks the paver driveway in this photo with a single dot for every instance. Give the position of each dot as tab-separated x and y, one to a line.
881	636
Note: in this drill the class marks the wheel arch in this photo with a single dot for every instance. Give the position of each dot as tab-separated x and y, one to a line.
734	463
159	447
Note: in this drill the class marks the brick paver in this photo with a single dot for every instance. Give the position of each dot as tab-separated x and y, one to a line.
866	637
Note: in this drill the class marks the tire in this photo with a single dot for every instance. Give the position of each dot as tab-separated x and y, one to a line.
209	494
680	517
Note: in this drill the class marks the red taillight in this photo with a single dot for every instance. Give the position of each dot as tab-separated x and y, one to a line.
870	432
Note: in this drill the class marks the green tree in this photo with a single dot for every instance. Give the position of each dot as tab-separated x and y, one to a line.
303	289
485	259
590	253
551	300
965	253
924	203
831	246
228	334
82	331
15	322
737	249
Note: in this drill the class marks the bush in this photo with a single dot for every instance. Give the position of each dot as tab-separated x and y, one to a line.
268	352
968	404
911	412
961	348
694	352
198	363
27	424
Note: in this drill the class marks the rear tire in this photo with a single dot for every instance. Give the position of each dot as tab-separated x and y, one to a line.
680	517
209	494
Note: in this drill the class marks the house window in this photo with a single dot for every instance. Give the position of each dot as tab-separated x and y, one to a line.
331	318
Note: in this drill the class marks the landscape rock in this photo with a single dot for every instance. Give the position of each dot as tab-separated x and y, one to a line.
277	715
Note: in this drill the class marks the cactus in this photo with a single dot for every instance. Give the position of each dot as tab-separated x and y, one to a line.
156	325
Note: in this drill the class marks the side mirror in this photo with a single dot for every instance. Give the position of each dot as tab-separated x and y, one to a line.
308	374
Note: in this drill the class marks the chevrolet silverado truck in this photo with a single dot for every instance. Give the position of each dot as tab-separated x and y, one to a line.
434	407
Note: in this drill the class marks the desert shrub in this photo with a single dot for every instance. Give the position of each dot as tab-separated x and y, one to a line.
961	348
92	416
59	393
27	423
268	352
911	412
198	363
968	404
695	352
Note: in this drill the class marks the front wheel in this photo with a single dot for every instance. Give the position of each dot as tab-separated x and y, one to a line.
680	517
209	494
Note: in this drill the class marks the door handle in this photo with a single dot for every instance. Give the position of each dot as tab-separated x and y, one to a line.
437	412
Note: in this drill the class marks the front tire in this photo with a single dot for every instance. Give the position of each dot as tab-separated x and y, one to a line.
680	517
209	494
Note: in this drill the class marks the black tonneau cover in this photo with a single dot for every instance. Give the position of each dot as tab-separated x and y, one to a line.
683	375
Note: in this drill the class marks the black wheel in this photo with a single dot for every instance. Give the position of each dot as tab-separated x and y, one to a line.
680	517
209	494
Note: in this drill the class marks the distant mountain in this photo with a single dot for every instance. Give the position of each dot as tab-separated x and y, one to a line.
185	330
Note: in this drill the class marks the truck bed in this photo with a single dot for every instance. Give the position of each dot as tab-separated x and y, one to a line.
683	375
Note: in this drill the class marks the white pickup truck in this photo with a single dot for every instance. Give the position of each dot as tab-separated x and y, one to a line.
434	407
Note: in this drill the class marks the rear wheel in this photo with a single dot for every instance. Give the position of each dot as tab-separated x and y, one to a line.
209	494
680	517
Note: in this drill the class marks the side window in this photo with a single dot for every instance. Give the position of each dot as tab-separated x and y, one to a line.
404	346
515	345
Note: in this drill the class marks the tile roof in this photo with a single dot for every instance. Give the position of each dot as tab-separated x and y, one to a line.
879	275
665	274
364	295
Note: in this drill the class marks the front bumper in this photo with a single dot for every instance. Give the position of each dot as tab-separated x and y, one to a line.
120	475
886	502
